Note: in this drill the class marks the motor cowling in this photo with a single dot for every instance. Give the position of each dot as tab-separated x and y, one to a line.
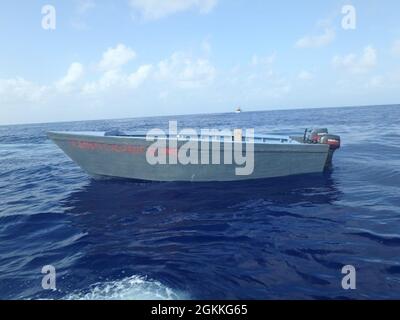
332	140
316	134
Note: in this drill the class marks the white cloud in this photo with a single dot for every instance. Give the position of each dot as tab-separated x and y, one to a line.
156	9
19	90
316	41
137	78
113	76
115	79
181	70
111	64
74	74
114	58
186	72
107	80
305	76
357	63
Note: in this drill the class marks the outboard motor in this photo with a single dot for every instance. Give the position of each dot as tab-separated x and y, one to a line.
316	134
332	140
322	136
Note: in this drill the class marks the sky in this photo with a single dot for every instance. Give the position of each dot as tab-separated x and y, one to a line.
98	59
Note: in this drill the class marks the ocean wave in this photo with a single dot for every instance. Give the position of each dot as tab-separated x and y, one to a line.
384	239
131	288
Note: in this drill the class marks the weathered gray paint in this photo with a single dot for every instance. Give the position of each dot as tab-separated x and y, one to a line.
270	160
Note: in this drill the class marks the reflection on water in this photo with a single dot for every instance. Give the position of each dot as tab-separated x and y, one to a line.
175	232
124	197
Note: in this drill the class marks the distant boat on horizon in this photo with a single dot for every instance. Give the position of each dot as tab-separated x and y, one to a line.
238	110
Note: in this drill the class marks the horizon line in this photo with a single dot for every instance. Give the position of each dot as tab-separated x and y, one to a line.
195	114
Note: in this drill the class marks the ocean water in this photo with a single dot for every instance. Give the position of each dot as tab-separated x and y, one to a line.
285	238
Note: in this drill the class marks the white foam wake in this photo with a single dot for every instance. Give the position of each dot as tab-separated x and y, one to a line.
132	288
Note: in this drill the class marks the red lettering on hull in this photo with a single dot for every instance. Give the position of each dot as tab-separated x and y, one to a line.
98	146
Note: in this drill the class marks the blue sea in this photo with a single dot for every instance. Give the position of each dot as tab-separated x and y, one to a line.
285	238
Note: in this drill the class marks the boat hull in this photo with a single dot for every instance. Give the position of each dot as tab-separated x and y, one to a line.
125	157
